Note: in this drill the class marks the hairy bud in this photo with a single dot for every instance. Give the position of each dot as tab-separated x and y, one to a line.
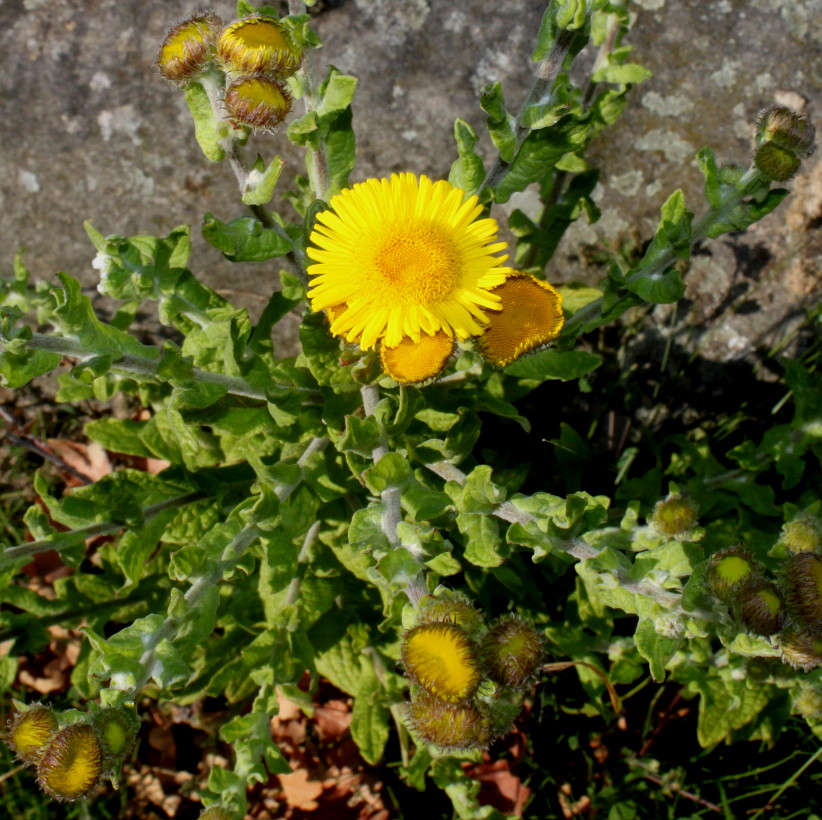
460	726
785	128
116	731
728	570
802	574
258	45
450	610
808	702
803	533
800	649
71	765
257	102
760	607
28	732
512	651
674	515
188	47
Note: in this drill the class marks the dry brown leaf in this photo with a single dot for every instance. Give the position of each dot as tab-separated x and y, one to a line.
299	791
500	787
89	459
333	719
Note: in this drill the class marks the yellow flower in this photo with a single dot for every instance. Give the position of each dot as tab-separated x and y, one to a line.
529	316
30	731
188	46
405	256
442	659
258	45
257	102
413	362
71	766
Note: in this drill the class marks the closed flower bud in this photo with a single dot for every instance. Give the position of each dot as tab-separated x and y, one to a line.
760	607
785	128
674	515
442	659
529	316
258	45
456	611
460	726
29	732
71	765
802	578
217	813
803	534
728	570
808	702
512	651
800	649
257	102
116	730
188	47
412	362
775	163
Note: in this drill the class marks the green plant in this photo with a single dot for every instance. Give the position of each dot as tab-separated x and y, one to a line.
317	509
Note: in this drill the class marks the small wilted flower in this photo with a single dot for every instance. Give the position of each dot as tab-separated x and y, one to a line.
802	574
512	651
71	765
529	316
257	102
442	659
411	362
800	649
116	731
258	45
674	515
29	731
802	534
460	726
728	570
188	47
760	607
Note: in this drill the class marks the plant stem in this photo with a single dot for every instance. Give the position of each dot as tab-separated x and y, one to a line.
145	367
549	69
63	540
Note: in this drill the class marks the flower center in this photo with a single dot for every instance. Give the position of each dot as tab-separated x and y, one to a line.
416	263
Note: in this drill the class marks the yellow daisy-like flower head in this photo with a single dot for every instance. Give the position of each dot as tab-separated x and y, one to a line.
443	660
258	45
405	256
529	316
414	362
71	766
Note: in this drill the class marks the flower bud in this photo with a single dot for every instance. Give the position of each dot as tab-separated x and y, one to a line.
258	45
257	102
188	47
786	129
412	362
674	515
802	534
28	732
71	765
529	316
801	649
775	163
460	726
457	611
760	607
808	702
442	659
512	651
116	730
728	570
802	577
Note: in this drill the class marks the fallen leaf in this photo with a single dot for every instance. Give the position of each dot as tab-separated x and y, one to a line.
299	791
90	460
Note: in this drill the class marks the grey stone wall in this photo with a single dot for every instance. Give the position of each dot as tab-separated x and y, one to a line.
90	130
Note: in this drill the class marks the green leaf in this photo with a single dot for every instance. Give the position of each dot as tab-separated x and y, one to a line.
655	648
208	130
244	239
624	74
501	124
564	365
260	185
392	471
369	726
468	171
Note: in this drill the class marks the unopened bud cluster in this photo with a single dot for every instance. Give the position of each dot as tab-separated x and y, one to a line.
783	139
468	678
71	758
253	56
788	605
675	516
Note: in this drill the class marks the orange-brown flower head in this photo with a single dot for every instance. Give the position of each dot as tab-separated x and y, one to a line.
800	649
674	515
802	578
257	102
728	570
760	607
411	362
188	47
512	652
28	732
529	316
442	659
71	765
116	731
459	726
258	45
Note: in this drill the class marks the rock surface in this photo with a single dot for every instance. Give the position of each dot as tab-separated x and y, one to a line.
92	132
